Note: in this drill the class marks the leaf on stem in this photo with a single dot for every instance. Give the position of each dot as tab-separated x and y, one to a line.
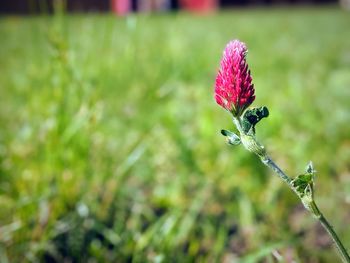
232	138
303	186
252	116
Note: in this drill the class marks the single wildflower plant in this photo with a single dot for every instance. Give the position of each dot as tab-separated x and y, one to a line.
234	92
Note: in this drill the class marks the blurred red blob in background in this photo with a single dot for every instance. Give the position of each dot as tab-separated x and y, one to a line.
199	6
121	7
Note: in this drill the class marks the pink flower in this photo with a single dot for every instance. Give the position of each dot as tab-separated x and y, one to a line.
234	90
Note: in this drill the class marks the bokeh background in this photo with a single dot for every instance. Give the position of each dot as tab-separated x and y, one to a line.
110	149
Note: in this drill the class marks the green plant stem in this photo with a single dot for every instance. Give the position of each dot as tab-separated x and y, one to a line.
334	236
271	164
314	209
249	141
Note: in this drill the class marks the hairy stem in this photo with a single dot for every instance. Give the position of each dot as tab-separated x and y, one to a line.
271	164
249	141
314	209
333	234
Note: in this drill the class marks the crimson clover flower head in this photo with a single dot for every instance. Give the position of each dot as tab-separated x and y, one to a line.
234	90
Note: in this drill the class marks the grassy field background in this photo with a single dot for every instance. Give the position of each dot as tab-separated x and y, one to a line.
110	148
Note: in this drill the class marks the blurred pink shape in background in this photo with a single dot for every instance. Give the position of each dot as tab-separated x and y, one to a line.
121	7
199	6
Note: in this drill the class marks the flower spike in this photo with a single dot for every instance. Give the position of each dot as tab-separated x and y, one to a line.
234	90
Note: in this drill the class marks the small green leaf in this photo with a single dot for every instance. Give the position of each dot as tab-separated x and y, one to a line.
301	182
303	186
232	138
252	116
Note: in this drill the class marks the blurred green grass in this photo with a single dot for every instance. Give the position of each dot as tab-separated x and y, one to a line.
110	148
